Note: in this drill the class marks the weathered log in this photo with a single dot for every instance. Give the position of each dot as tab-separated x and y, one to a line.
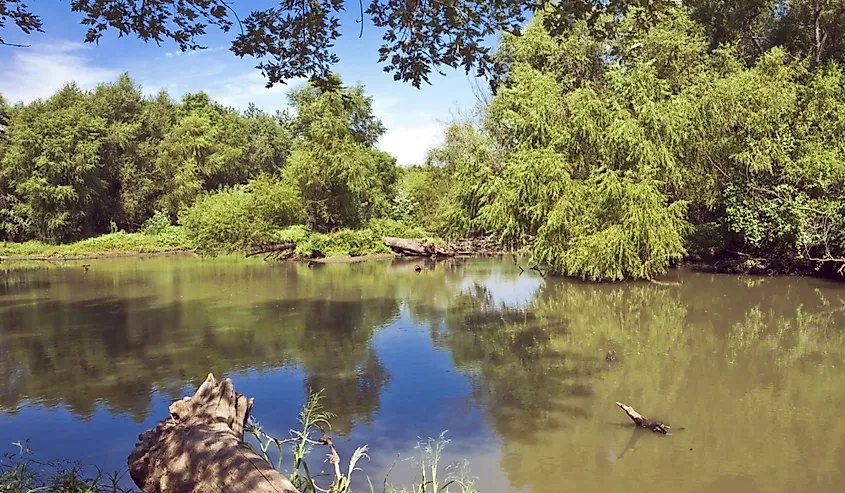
199	448
642	421
404	246
274	248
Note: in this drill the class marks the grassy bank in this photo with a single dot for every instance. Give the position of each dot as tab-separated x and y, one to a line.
309	244
119	243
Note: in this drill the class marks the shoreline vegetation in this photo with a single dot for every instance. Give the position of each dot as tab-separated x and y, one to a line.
173	242
605	154
598	169
361	246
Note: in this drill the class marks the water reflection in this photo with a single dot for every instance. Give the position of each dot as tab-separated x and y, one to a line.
747	370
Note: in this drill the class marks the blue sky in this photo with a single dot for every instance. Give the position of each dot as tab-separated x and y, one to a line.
414	118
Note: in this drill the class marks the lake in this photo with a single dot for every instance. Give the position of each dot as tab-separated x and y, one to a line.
747	371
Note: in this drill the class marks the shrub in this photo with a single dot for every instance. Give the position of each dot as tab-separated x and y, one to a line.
242	216
157	224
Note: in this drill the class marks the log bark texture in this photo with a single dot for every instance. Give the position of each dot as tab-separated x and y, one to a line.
415	248
642	421
199	448
486	245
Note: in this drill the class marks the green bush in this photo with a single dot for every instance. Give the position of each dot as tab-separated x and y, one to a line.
345	242
157	224
390	227
242	216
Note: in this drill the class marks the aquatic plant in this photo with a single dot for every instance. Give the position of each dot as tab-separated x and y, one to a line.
313	419
20	473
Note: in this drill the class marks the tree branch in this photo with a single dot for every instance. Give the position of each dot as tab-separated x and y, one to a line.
13	45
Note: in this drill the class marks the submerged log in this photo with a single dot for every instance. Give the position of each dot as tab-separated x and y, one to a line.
642	421
199	448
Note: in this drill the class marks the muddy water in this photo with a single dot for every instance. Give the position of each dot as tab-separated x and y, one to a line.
747	371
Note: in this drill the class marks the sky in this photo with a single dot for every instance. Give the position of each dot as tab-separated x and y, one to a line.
414	118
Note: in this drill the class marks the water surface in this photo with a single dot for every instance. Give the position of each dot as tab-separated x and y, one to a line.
748	371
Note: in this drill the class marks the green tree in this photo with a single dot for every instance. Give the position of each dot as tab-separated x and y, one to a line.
470	161
128	150
202	151
344	180
4	116
53	167
140	178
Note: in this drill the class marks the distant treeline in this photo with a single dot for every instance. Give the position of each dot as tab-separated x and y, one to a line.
83	163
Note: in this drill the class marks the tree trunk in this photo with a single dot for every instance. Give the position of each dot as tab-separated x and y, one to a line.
819	39
199	448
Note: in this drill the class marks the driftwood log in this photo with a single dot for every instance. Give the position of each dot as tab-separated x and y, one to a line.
642	421
416	248
485	245
199	448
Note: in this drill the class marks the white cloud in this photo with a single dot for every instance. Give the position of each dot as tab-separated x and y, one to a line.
250	87
34	73
410	131
410	143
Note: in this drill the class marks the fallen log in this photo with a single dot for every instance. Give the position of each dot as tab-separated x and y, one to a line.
642	421
273	248
199	448
417	248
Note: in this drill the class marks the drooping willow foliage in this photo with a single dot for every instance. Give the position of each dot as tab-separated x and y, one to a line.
615	153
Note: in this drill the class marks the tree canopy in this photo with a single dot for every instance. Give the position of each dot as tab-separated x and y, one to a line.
616	146
294	39
83	163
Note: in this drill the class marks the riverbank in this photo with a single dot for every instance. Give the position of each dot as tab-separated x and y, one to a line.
354	246
169	241
292	243
741	263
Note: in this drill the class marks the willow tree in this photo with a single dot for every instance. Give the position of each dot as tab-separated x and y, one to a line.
343	178
613	227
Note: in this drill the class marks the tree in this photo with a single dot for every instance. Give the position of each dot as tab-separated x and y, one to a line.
127	151
294	40
54	169
210	147
4	116
343	178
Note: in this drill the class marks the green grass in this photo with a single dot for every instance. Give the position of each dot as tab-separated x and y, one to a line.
432	478
20	473
347	242
343	243
171	238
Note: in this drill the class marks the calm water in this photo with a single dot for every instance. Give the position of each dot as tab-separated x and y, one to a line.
748	371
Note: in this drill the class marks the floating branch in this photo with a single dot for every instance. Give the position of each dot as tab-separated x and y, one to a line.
642	421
